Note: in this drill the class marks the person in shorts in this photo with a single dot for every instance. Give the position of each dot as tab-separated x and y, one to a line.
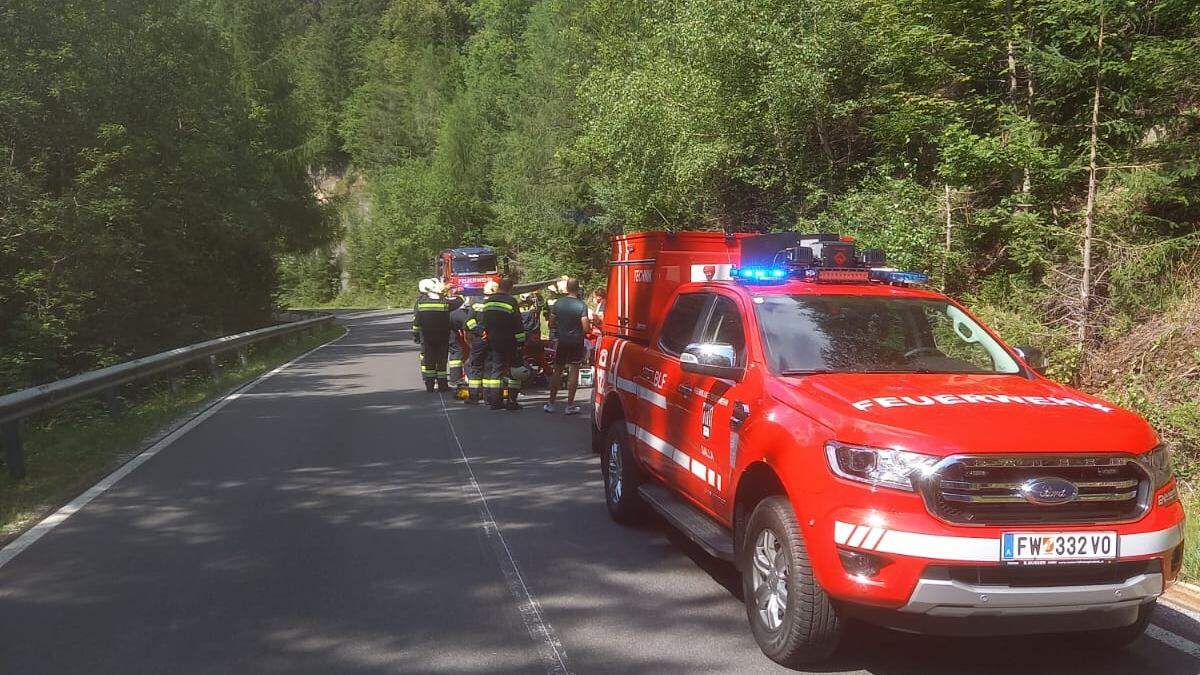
569	320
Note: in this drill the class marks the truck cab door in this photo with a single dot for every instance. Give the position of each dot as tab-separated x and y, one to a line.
716	406
656	383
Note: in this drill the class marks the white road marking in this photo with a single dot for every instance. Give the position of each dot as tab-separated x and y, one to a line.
1192	614
18	545
1178	642
550	648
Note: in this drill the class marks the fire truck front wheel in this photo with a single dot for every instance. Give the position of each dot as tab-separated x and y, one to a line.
621	476
793	620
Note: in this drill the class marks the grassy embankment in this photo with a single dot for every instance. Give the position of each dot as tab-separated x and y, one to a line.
69	450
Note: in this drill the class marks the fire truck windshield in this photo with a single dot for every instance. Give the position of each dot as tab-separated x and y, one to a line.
858	334
484	264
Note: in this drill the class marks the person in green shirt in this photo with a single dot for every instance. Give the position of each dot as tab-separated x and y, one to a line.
569	320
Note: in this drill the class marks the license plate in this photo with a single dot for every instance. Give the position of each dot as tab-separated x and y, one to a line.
1050	546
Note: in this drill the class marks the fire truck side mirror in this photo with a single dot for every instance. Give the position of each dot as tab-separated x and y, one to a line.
1035	357
711	358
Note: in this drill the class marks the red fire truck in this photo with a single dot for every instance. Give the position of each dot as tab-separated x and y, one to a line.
862	447
468	268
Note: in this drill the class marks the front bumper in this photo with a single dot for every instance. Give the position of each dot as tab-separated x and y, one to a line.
914	587
947	597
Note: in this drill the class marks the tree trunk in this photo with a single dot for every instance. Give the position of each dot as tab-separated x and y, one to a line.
1086	299
949	239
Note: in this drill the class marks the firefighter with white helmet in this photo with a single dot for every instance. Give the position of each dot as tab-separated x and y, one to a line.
431	329
501	319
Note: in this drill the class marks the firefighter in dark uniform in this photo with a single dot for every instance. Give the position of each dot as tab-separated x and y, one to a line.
431	329
455	356
477	351
501	318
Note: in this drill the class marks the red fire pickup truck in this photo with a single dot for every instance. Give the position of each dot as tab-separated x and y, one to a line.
862	447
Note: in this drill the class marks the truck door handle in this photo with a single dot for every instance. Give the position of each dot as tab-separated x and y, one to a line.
684	390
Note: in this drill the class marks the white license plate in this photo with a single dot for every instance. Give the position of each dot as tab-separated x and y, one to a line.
1041	546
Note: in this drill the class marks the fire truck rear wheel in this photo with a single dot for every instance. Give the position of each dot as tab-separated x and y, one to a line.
793	620
621	476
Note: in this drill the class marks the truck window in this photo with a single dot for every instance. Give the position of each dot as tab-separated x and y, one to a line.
683	322
725	327
854	334
484	264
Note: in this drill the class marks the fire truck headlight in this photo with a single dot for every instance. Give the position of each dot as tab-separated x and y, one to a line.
1158	464
878	466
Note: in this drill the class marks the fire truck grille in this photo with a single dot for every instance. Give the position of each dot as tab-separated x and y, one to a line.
990	490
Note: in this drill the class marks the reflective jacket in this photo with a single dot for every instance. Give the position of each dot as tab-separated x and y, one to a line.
473	324
501	319
431	317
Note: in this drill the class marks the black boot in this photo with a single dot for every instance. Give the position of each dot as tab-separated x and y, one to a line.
429	386
473	397
512	404
442	385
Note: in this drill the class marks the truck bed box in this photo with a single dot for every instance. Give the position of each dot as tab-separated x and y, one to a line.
647	267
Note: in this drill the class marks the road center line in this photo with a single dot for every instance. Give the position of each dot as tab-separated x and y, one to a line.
550	649
18	545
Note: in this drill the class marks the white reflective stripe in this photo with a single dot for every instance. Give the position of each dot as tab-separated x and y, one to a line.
860	533
682	459
872	539
972	549
1147	543
653	397
641	392
669	451
626	385
979	549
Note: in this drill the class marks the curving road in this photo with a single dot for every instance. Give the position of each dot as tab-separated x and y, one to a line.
335	519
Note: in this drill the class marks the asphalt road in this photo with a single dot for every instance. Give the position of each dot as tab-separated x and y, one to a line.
335	519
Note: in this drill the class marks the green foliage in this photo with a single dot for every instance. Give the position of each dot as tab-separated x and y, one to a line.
144	190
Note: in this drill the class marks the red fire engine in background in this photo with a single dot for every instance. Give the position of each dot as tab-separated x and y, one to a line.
468	268
863	447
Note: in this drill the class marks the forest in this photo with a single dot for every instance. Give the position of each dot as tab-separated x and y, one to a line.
177	169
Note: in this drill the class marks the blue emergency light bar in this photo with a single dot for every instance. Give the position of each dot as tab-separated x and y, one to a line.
758	273
769	275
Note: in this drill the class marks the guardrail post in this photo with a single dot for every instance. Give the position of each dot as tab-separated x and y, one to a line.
112	402
14	454
213	368
242	358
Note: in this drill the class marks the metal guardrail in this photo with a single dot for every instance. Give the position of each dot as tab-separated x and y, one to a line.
18	405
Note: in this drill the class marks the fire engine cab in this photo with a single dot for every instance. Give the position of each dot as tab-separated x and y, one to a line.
862	447
468	268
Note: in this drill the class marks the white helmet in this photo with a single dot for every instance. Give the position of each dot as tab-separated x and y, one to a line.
431	287
491	287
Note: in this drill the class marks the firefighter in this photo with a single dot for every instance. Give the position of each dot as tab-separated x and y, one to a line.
455	356
501	319
477	349
431	330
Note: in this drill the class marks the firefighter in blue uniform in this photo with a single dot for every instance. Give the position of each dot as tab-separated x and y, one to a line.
431	330
501	319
